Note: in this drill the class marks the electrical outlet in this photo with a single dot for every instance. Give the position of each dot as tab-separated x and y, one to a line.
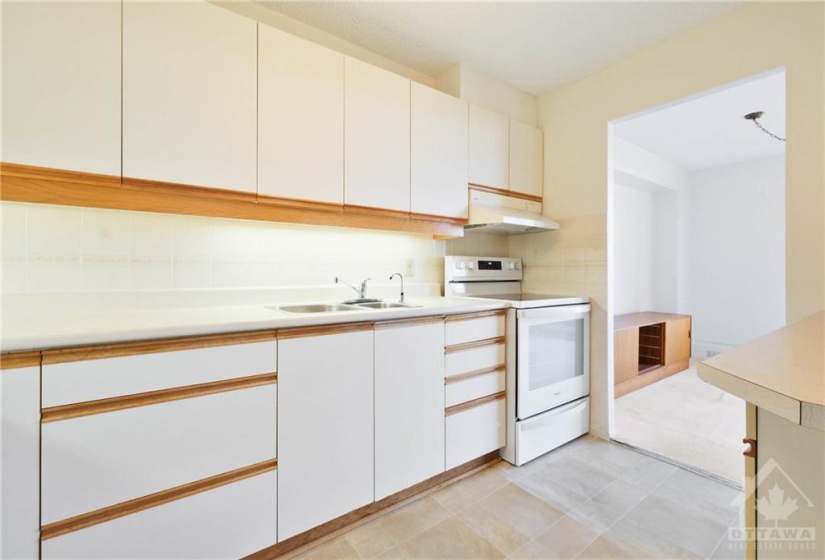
409	267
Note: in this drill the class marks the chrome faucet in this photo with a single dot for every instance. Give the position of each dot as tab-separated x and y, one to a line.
402	285
360	291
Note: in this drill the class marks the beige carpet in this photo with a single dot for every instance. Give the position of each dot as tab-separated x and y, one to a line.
683	418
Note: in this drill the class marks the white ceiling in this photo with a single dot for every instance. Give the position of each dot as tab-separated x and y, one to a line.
709	130
534	46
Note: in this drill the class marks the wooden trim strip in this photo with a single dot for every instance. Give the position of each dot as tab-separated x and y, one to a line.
15	360
301	204
284	547
474	344
322	330
88	408
408	322
153	346
123	509
475	373
434	218
459	408
355	209
479	315
505	192
23	183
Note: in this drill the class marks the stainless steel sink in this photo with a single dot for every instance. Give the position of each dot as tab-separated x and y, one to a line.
317	308
385	305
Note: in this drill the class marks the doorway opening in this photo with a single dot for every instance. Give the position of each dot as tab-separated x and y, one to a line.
697	263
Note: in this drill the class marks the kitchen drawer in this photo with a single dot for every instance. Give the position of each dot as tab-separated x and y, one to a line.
95	461
476	358
462	389
149	370
536	435
468	328
474	431
229	521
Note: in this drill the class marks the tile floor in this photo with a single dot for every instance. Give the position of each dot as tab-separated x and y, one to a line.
587	499
685	419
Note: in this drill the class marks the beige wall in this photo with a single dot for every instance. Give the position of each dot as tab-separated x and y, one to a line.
749	41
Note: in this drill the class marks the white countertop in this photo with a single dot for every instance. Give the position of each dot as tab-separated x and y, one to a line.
783	372
72	327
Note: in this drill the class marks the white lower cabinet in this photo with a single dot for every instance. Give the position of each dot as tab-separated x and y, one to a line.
230	521
325	425
475	431
19	462
409	404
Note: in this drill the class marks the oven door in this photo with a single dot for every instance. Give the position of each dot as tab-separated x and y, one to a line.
553	357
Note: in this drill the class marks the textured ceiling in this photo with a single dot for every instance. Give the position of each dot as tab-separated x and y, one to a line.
709	130
534	46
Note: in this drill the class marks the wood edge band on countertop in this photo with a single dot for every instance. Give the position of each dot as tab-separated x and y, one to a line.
292	543
43	185
459	408
321	330
117	350
475	373
397	323
122	509
474	344
479	315
16	360
504	192
89	408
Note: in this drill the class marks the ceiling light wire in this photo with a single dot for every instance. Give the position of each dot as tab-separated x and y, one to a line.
755	116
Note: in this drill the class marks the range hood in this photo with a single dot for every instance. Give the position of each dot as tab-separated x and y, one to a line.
494	213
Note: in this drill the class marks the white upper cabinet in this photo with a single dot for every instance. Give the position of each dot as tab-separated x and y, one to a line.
189	94
489	148
377	137
526	144
61	85
438	153
300	118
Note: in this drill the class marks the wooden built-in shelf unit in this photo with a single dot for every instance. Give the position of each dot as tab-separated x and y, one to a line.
649	347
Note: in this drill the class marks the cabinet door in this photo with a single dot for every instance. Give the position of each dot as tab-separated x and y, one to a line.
20	462
677	340
377	137
61	85
325	428
626	350
409	405
189	94
438	172
489	148
230	521
526	144
300	118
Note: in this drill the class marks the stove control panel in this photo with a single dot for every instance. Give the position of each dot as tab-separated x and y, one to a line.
478	269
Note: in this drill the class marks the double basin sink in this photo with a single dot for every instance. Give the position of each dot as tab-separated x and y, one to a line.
359	305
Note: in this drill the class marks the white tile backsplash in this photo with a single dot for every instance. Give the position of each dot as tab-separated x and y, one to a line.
55	248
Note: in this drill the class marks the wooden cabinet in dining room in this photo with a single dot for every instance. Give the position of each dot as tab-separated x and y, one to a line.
61	85
409	403
489	152
377	137
526	157
438	158
189	95
300	118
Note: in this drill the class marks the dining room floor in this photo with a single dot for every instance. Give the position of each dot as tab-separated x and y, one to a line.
686	420
588	499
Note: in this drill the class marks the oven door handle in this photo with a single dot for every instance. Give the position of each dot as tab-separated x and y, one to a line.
562	311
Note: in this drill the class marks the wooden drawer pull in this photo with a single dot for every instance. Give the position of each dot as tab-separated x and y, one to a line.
153	500
88	408
475	373
471	316
473	404
474	344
